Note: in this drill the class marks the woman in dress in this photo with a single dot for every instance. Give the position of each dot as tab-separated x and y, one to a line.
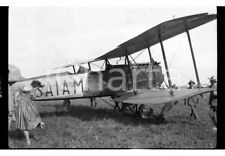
27	116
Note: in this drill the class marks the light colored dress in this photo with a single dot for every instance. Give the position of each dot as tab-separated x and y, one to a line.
11	102
11	107
27	116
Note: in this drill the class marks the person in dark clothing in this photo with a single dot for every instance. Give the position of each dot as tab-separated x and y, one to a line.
213	100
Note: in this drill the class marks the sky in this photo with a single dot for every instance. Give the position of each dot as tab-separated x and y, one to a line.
41	38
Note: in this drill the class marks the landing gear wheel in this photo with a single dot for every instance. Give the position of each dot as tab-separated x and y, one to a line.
129	109
145	111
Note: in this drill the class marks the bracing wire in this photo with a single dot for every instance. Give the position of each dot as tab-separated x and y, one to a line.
166	84
102	65
177	50
139	54
181	73
106	102
96	65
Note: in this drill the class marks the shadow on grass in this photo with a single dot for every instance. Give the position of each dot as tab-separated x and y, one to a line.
87	113
17	134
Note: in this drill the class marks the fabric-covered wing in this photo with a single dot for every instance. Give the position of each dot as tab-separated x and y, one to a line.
165	30
78	63
159	96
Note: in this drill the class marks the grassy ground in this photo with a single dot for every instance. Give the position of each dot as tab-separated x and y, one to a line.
86	127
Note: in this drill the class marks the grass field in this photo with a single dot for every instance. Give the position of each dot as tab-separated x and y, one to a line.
86	127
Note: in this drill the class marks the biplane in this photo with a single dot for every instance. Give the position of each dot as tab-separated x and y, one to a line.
132	85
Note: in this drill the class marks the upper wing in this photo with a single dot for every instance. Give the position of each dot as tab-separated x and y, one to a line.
74	63
165	30
159	96
150	37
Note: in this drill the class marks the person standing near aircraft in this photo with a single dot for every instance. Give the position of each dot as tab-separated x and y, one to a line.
66	105
93	102
168	106
27	116
11	108
193	101
213	101
191	84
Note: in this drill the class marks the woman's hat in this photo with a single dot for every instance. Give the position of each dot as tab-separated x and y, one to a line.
36	83
191	82
26	88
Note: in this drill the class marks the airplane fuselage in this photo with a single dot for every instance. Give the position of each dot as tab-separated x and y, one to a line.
111	81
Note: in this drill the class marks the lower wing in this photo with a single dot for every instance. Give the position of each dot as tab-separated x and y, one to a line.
159	96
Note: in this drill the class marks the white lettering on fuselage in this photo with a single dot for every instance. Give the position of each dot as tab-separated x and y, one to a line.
63	86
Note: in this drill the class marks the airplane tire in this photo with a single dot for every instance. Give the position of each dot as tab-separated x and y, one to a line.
145	111
128	109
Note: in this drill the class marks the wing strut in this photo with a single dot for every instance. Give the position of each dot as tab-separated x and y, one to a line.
164	58
89	66
74	70
152	61
131	76
193	56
